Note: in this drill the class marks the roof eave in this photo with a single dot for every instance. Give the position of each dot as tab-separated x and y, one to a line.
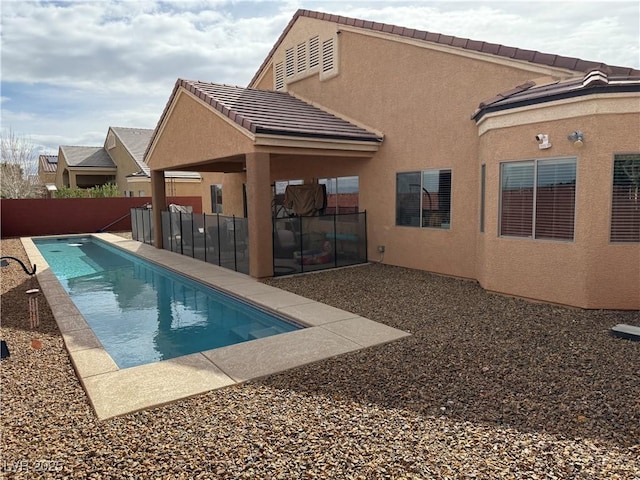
315	142
478	114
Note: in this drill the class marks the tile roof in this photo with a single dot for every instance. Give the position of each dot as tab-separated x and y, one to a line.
272	113
275	113
87	157
48	163
529	93
532	56
135	140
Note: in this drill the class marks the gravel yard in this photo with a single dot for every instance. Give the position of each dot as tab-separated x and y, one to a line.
487	386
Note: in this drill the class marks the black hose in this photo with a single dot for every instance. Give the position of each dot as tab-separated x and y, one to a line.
24	267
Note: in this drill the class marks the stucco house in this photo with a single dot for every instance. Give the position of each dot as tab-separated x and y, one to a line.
511	167
120	161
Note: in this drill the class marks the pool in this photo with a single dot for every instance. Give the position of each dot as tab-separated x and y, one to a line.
143	313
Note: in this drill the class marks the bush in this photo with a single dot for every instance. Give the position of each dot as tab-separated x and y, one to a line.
102	191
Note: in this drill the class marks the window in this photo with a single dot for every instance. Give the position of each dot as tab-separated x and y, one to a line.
216	198
423	199
537	199
625	208
342	194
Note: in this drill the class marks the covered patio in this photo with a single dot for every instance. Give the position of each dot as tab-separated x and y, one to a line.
254	137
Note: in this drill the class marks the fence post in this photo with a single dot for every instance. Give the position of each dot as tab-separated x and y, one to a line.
204	234
335	242
134	224
193	240
219	246
140	227
366	239
235	246
301	246
181	234
170	229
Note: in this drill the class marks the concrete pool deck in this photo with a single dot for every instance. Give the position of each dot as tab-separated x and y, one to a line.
113	391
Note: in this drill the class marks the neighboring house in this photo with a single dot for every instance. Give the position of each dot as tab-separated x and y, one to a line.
47	168
84	167
515	168
126	147
120	161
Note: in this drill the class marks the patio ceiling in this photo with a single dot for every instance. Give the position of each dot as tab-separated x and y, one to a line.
210	127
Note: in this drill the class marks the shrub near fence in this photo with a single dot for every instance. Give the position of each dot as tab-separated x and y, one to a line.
60	216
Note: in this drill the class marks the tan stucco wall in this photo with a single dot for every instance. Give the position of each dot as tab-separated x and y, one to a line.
192	133
424	114
589	272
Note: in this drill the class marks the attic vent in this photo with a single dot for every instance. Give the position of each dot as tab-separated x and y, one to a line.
111	141
327	55
314	52
301	54
289	62
279	76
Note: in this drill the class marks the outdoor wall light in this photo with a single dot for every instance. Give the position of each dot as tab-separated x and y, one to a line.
577	138
543	138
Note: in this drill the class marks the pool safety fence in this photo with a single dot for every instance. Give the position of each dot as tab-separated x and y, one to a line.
300	244
304	244
213	238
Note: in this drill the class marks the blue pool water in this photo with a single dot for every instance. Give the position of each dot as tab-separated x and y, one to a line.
143	313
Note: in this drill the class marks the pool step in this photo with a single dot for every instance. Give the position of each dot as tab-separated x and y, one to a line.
253	331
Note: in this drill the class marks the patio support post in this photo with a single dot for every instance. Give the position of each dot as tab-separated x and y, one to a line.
159	204
259	215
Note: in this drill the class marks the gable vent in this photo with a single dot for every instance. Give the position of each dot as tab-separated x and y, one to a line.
289	65
279	76
314	52
327	55
301	60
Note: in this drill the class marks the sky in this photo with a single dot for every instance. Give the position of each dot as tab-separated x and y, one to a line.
71	69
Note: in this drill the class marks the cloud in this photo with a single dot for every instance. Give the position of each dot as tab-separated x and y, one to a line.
113	46
71	69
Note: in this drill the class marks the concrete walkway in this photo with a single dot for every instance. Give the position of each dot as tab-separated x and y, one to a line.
113	391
